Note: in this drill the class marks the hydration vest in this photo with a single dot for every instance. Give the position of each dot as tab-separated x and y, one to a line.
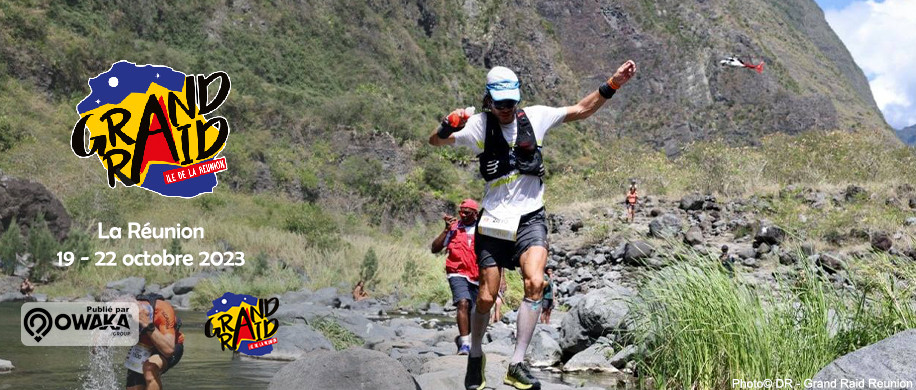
525	156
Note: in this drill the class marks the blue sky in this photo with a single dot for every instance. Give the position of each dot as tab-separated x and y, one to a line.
881	36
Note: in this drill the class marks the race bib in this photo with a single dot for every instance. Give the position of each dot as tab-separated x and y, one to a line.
504	228
136	357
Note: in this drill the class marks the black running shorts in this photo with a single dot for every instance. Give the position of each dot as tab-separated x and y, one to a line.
491	252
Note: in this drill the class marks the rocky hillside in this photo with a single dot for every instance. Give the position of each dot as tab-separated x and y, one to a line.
907	135
810	81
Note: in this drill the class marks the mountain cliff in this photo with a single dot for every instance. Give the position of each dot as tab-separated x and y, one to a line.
810	81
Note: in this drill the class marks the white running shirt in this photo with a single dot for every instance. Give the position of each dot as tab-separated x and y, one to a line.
512	194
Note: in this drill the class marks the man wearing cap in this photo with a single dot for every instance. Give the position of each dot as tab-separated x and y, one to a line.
512	230
461	266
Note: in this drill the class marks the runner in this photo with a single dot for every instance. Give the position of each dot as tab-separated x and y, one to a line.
632	198
461	266
512	232
160	347
549	294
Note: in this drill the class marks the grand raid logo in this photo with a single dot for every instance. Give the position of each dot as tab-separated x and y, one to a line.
148	128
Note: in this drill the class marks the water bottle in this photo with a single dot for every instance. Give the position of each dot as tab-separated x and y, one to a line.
455	118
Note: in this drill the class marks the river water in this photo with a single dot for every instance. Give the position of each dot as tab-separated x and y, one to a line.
204	366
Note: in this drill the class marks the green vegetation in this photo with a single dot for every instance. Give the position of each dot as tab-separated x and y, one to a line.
340	337
11	244
702	327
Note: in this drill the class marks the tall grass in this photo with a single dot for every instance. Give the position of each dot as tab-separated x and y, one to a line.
701	327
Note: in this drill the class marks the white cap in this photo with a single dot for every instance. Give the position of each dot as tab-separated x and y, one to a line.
502	84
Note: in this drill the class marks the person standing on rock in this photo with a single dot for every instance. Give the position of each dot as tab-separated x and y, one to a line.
512	231
461	266
632	198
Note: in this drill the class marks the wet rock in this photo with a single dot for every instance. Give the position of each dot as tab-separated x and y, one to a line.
355	368
594	358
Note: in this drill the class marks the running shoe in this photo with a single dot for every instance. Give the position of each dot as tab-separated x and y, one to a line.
475	378
519	376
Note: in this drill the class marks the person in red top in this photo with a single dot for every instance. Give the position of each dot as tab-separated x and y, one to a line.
632	198
461	266
160	347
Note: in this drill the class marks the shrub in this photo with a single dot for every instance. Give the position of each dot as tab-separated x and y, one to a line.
11	243
369	268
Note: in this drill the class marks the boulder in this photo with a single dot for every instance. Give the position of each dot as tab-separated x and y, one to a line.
25	200
624	356
637	251
593	358
6	366
129	286
599	313
352	369
692	202
544	351
182	301
829	262
769	234
295	341
12	296
667	225
886	364
693	236
326	296
185	285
